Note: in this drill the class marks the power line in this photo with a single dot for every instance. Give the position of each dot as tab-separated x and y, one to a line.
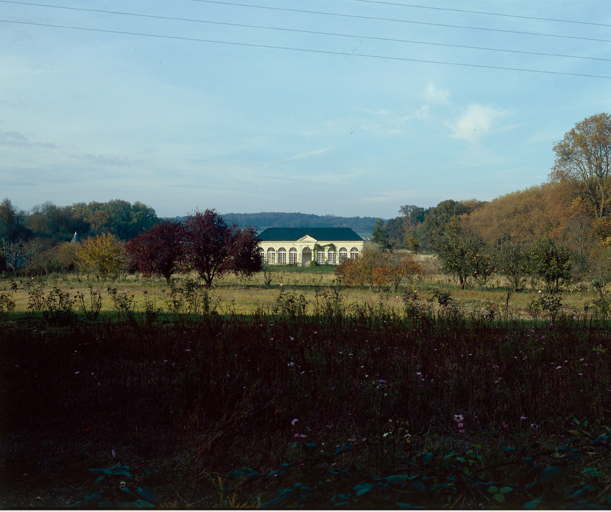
485	13
397	20
301	31
304	50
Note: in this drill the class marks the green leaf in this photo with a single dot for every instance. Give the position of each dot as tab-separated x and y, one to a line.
362	488
499	498
549	473
532	504
146	493
135	504
310	447
576	433
506	490
399	480
493	489
419	486
427	457
343	448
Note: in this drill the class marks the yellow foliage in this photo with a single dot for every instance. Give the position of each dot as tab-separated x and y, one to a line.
103	254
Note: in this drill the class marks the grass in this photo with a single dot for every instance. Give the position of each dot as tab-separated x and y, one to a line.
367	400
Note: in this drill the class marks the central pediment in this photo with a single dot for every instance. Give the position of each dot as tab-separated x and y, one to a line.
307	239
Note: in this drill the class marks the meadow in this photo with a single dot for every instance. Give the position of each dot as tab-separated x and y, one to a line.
288	390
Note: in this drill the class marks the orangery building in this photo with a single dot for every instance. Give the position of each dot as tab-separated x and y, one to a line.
302	246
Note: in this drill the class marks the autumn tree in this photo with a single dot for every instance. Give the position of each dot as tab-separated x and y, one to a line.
392	269
521	216
583	157
213	248
378	268
158	250
103	255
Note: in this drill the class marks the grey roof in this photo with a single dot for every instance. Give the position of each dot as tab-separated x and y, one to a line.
320	234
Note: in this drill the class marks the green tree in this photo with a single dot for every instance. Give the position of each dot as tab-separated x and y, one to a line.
459	252
440	217
550	262
118	217
583	157
102	255
11	222
380	236
513	262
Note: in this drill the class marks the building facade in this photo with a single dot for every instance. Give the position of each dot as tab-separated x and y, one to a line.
302	246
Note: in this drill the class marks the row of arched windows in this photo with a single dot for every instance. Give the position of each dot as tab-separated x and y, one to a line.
279	257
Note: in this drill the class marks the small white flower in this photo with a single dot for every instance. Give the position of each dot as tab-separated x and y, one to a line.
294	421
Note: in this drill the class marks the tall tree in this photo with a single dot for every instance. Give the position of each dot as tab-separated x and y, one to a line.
380	236
213	248
439	219
583	156
11	222
158	250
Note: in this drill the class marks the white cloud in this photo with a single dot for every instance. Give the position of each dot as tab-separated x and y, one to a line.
434	95
309	154
475	122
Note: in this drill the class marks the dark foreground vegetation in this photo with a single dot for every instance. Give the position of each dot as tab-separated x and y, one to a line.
360	408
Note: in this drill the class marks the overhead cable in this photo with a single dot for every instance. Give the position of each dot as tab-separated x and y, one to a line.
484	13
304	50
302	31
398	20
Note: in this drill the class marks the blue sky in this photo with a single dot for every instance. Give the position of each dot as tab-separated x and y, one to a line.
342	107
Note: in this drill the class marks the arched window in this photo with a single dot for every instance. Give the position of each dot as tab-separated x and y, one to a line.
331	257
271	256
320	257
293	256
354	253
282	256
343	255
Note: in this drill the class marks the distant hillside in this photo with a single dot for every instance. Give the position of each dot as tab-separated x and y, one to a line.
265	220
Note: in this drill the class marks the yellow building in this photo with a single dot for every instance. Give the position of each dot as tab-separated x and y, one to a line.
301	246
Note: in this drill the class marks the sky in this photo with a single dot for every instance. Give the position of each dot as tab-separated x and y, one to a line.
330	107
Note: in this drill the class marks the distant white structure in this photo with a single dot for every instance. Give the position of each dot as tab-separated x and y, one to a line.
75	238
301	246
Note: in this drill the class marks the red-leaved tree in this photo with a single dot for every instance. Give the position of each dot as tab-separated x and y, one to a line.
158	250
213	248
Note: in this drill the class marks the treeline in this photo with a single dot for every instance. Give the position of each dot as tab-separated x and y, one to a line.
59	223
36	238
266	220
